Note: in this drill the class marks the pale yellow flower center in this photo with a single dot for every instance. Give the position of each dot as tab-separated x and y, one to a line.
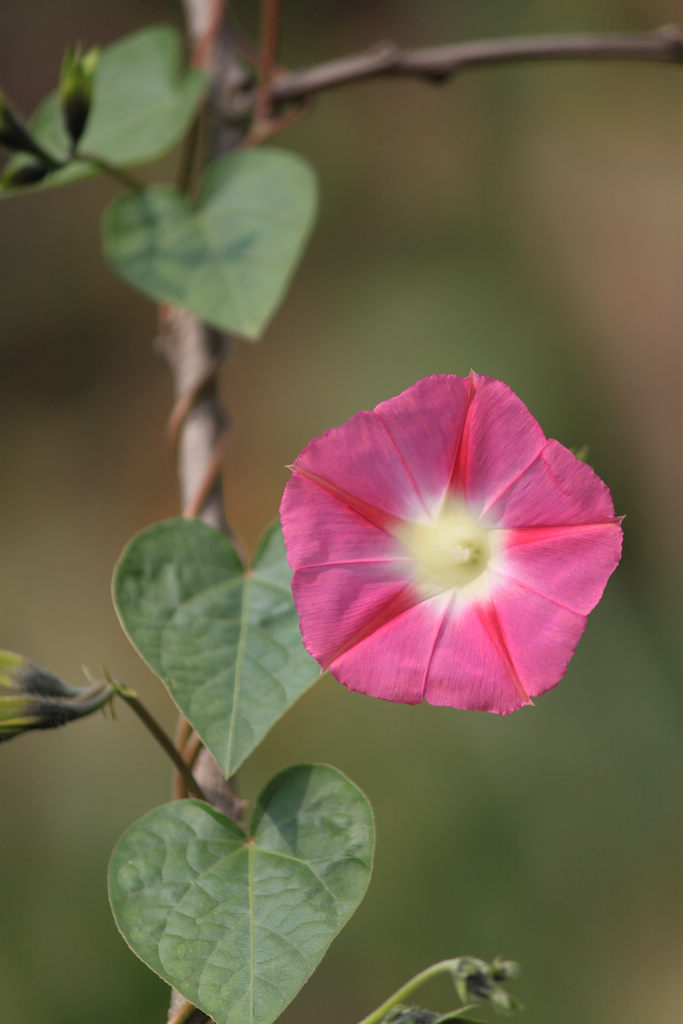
450	551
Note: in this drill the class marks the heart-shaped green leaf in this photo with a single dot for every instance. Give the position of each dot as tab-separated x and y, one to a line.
142	104
229	257
237	923
225	641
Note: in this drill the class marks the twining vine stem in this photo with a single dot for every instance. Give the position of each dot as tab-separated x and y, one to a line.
199	425
182	1014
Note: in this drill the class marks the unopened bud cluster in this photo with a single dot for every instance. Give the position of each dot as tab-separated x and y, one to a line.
476	979
75	92
31	698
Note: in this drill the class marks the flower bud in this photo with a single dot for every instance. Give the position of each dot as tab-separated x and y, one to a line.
32	698
75	88
29	173
13	135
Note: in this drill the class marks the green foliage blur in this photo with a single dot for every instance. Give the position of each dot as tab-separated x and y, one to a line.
520	221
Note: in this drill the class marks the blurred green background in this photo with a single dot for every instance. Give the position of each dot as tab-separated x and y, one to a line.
521	221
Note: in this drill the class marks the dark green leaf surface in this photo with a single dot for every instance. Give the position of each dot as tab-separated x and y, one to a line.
229	258
238	923
142	104
225	641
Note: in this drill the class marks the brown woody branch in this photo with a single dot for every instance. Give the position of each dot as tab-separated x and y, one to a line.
438	63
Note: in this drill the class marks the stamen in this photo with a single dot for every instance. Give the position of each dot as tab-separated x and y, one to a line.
461	553
450	552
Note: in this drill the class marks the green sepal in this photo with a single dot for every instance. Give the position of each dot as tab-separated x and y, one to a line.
581	453
479	980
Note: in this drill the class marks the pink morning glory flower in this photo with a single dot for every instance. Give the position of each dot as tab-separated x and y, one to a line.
445	550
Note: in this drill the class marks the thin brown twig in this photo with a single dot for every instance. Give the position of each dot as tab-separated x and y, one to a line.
183	733
438	63
180	791
189	745
247	50
204	22
192	750
270	33
264	126
262	131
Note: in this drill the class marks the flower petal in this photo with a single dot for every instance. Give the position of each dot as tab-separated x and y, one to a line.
425	423
470	667
568	564
342	605
557	489
433	652
346	570
360	459
398	457
540	636
501	438
322	529
391	663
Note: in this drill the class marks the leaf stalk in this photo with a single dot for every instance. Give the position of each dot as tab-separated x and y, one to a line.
129	181
165	742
